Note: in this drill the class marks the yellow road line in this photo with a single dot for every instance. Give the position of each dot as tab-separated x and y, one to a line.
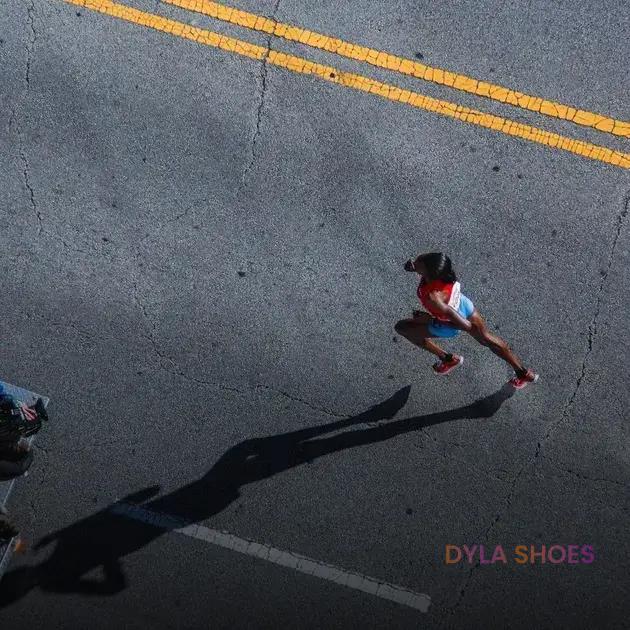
406	66
357	82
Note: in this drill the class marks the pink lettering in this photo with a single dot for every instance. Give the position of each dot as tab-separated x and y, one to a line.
573	555
470	553
550	554
588	554
499	555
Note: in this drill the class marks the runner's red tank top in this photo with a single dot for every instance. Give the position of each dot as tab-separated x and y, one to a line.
451	289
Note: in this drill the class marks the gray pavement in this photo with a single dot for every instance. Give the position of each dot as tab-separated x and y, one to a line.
200	251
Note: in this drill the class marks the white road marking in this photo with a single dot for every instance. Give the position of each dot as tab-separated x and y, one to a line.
294	561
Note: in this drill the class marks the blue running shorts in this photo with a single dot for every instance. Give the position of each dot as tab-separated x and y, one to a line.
441	329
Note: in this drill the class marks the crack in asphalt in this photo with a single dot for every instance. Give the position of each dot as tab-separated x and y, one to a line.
27	183
470	466
568	406
30	47
136	293
592	332
261	101
152	327
169	365
257	386
21	140
583	477
176	370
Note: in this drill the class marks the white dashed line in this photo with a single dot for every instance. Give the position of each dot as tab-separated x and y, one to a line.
295	561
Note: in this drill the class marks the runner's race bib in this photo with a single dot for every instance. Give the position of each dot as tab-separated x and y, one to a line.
456	296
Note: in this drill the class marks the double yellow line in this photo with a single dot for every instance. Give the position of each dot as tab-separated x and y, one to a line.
384	60
404	66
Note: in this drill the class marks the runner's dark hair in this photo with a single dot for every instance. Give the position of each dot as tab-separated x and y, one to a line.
439	266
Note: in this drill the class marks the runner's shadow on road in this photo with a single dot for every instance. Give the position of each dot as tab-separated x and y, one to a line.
97	543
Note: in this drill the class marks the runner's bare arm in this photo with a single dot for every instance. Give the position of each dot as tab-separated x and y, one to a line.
455	318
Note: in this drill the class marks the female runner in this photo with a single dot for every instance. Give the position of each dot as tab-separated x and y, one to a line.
449	311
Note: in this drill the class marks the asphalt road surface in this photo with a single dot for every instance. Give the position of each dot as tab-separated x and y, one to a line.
202	253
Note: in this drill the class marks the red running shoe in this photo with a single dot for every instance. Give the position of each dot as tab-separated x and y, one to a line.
518	382
444	367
